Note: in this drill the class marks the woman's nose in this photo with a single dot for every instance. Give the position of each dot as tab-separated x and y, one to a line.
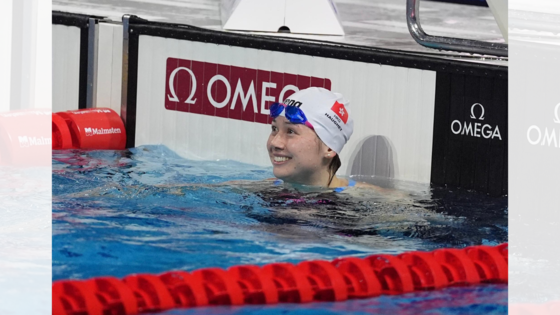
277	141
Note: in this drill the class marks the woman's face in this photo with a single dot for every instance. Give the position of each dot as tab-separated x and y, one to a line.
297	154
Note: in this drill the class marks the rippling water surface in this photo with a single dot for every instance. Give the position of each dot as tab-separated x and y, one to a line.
148	210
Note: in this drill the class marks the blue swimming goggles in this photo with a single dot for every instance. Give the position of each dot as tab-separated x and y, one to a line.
293	113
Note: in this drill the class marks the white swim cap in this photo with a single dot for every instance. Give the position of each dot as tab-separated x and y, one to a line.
327	112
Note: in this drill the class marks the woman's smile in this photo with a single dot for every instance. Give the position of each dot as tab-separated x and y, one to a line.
279	160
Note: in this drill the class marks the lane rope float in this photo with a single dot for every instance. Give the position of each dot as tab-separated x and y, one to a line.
307	281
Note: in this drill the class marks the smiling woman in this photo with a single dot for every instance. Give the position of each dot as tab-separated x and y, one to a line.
309	130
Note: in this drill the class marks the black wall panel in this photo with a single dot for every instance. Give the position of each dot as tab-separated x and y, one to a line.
470	132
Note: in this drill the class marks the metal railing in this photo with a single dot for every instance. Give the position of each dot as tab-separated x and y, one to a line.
448	43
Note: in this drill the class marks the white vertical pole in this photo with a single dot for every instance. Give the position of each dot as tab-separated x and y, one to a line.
5	54
43	56
24	35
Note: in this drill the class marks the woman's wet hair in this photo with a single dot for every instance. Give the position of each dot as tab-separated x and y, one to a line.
335	162
333	167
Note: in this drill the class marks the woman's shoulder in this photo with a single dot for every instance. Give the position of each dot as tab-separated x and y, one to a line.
347	183
368	185
390	193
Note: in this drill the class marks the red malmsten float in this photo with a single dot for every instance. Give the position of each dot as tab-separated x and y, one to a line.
95	128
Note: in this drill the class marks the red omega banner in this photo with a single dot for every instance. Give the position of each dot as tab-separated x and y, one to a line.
228	91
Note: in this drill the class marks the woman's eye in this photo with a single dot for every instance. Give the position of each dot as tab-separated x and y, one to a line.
274	129
291	131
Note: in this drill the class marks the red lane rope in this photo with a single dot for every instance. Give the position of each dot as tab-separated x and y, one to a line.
308	281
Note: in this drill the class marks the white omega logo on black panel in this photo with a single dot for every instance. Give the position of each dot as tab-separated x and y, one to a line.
476	129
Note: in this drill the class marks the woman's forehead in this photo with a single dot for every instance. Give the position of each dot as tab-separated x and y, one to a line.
280	120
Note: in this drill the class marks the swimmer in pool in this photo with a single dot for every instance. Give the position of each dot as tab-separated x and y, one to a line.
308	132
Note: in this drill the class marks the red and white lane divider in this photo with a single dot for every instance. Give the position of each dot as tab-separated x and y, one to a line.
308	281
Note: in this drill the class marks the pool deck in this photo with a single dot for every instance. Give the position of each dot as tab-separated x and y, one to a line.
371	23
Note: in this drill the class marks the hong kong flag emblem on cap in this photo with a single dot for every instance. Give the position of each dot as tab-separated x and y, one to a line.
340	111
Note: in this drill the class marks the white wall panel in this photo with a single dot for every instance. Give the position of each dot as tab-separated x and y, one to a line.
173	128
360	106
198	51
393	103
222	143
424	117
146	122
109	66
65	67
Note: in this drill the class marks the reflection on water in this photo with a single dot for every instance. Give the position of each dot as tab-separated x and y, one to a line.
488	299
148	210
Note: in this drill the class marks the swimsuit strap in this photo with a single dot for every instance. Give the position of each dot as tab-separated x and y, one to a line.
351	183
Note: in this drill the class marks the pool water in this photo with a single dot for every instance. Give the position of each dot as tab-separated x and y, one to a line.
147	210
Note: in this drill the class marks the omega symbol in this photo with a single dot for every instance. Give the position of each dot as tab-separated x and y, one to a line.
481	114
173	97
